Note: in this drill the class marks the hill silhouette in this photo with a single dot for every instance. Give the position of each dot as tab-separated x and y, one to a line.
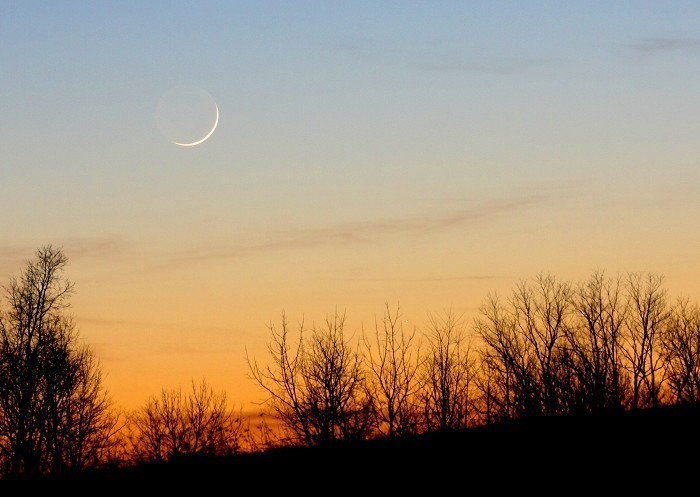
645	448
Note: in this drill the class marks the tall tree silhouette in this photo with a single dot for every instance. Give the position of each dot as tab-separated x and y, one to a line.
542	310
447	371
526	356
647	318
54	412
392	357
525	349
681	344
505	374
316	387
595	342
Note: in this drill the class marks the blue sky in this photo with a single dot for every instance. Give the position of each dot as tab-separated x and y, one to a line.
367	151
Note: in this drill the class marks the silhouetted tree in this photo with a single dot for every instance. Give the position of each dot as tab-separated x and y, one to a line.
82	429
595	342
648	313
526	349
177	424
54	412
681	344
542	311
505	371
316	387
527	365
447	372
392	358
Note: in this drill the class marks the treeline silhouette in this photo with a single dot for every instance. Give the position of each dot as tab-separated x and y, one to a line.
601	349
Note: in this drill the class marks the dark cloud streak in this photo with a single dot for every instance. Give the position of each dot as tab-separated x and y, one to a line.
427	279
444	55
655	45
77	247
13	257
356	233
495	65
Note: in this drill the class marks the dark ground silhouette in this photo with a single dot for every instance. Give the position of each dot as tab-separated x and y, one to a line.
650	449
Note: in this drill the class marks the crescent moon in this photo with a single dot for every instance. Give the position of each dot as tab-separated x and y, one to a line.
206	137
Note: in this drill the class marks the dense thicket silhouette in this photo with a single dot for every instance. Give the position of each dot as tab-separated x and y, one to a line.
54	412
607	343
183	424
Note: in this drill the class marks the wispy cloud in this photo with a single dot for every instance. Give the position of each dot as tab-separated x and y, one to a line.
94	246
348	47
485	65
119	350
14	257
73	247
654	45
466	277
91	321
439	55
358	50
363	232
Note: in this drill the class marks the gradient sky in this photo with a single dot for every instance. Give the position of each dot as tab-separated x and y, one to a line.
416	152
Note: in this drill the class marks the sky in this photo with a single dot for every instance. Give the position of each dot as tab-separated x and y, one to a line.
422	154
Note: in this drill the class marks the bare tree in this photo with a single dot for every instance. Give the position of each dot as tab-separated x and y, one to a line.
525	353
681	344
648	313
316	387
54	412
82	427
541	311
177	424
507	377
447	373
392	357
283	380
596	344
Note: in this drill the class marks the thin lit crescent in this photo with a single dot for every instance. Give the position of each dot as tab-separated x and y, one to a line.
206	137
